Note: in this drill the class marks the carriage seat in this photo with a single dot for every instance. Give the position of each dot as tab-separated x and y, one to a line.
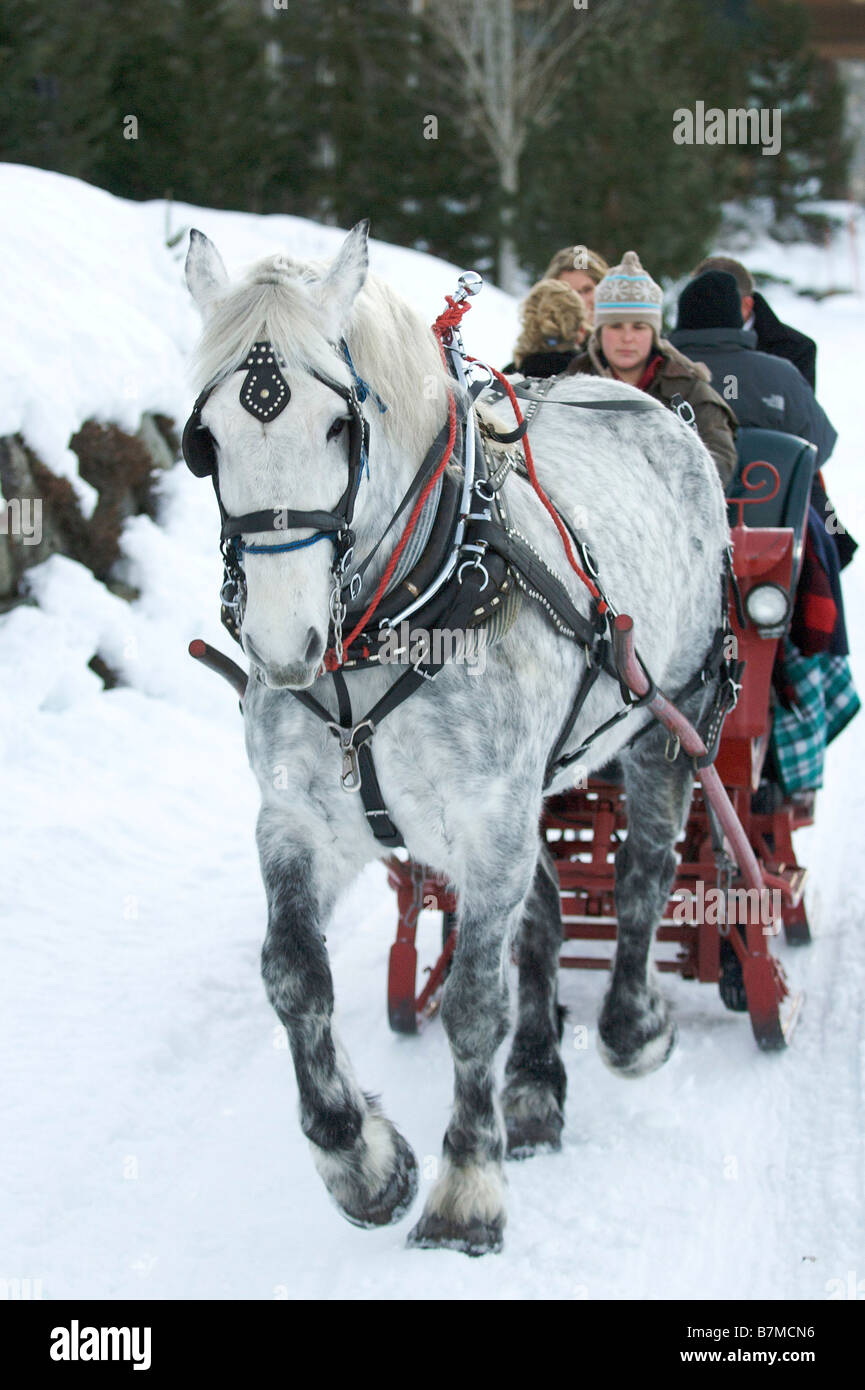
795	460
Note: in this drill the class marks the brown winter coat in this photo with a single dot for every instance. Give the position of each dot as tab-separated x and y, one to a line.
678	375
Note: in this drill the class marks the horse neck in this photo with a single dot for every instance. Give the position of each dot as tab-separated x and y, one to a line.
399	357
392	470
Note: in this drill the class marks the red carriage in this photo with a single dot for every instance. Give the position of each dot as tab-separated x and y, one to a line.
583	828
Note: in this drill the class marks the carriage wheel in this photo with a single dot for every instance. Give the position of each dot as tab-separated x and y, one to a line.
402	974
797	932
773	1008
753	981
402	963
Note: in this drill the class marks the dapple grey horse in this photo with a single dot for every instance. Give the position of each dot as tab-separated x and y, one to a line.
461	763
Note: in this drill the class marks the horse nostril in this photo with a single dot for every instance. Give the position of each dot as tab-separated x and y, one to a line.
314	647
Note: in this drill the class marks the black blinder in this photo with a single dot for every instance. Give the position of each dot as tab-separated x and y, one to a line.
197	445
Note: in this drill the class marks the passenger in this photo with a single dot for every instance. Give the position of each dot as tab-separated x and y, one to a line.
582	269
554	326
765	392
774	337
626	344
815	694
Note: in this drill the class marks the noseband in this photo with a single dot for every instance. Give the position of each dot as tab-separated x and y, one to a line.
264	394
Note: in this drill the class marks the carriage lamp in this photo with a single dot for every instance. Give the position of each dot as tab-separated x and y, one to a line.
768	607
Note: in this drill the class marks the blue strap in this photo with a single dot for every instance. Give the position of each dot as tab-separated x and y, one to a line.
275	549
363	387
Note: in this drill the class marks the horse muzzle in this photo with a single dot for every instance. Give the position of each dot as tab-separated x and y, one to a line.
292	675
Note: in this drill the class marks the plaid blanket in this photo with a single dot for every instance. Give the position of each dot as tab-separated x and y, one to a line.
816	700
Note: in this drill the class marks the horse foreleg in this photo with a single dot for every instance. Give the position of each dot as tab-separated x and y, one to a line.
534	1094
636	1032
366	1165
466	1208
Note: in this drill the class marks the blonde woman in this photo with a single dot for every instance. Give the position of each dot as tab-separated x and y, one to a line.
582	269
554	325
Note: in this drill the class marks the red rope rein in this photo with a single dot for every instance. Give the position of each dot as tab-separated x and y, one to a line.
448	319
533	479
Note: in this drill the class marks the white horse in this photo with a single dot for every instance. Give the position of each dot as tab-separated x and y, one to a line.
461	763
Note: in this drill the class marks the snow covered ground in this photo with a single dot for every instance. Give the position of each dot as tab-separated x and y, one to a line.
150	1147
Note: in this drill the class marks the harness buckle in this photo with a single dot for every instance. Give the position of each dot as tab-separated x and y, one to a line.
417	668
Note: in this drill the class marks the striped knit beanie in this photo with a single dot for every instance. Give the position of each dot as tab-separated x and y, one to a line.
627	294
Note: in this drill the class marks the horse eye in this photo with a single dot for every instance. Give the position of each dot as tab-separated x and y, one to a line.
335	429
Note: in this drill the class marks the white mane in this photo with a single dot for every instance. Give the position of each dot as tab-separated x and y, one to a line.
392	349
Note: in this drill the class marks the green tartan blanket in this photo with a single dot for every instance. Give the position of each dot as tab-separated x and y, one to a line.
825	702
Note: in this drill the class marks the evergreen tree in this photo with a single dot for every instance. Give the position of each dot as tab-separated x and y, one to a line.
608	173
54	82
783	73
385	139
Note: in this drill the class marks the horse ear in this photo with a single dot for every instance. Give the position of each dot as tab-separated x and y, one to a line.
205	273
338	289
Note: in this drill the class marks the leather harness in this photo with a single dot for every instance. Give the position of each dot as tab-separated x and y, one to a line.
464	585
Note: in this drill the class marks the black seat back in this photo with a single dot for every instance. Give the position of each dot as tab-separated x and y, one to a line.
795	460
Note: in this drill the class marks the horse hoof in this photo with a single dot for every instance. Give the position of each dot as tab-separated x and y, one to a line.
392	1202
533	1117
434	1232
534	1122
531	1136
640	1061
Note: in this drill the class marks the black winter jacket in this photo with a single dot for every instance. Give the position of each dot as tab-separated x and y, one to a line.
763	391
780	340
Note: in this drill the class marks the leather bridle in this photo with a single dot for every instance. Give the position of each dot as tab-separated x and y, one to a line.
265	394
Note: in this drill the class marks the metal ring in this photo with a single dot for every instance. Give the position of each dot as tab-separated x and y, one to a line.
475	564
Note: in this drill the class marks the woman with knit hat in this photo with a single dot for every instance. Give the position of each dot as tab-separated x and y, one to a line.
554	325
580	268
626	344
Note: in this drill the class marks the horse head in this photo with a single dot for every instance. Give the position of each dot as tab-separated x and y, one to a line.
279	427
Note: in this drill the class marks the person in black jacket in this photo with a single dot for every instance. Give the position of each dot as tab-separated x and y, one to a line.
774	337
763	391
